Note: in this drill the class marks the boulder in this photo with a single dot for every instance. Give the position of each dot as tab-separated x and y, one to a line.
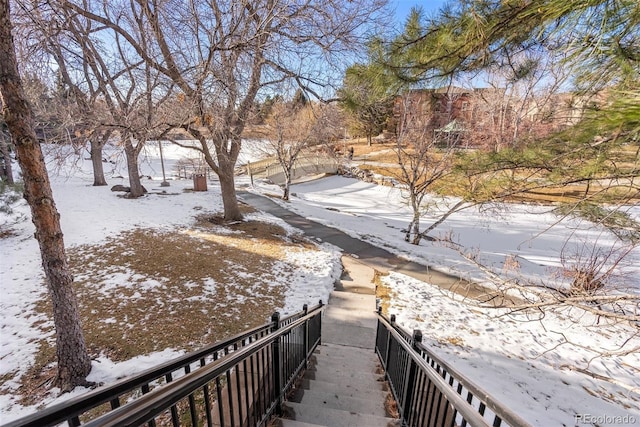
120	187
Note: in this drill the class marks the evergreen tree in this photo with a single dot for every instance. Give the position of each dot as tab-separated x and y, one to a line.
74	363
600	41
367	94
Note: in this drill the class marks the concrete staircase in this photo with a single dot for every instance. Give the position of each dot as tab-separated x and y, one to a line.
344	386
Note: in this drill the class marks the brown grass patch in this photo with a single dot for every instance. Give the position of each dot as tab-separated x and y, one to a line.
452	340
146	290
377	150
387	155
596	192
391	406
7	232
383	292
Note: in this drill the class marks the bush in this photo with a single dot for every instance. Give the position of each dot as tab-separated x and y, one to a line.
9	195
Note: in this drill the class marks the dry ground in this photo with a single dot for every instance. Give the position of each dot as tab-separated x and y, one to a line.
605	192
145	290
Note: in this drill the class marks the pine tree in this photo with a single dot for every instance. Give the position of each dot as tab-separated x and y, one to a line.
74	363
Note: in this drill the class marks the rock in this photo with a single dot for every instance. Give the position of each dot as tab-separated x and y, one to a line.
120	187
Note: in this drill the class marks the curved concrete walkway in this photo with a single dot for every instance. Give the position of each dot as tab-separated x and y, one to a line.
343	387
373	256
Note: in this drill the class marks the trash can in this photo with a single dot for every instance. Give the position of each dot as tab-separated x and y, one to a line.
199	182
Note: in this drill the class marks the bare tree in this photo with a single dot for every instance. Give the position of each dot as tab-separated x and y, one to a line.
132	91
74	363
65	114
518	104
293	128
85	105
425	158
222	54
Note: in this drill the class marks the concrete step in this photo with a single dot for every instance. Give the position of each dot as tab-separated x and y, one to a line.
345	351
335	417
333	400
337	352
378	393
336	317
358	303
356	271
341	333
330	363
347	377
283	422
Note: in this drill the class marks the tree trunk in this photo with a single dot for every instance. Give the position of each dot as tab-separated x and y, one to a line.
229	198
97	144
226	173
7	170
407	234
287	186
131	155
416	229
414	226
74	363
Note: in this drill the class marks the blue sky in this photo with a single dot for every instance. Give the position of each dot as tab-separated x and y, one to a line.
403	7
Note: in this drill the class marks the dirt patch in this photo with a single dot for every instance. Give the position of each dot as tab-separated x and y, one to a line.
383	292
146	290
6	233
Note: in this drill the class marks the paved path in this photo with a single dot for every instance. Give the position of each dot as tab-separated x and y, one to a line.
373	256
350	317
343	385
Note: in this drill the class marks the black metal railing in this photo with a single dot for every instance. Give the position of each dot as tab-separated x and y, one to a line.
241	381
427	390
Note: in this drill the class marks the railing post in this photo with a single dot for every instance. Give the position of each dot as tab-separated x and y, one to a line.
410	380
392	320
320	327
305	338
379	312
277	380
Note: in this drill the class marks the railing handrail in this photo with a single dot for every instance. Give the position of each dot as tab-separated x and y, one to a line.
76	406
148	406
271	161
461	405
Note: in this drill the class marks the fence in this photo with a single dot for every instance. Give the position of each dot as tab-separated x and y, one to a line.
238	382
427	390
306	164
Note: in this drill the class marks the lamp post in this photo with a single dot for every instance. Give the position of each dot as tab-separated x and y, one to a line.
164	182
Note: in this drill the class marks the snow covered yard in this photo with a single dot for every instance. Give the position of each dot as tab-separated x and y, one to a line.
154	275
528	361
549	367
535	366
